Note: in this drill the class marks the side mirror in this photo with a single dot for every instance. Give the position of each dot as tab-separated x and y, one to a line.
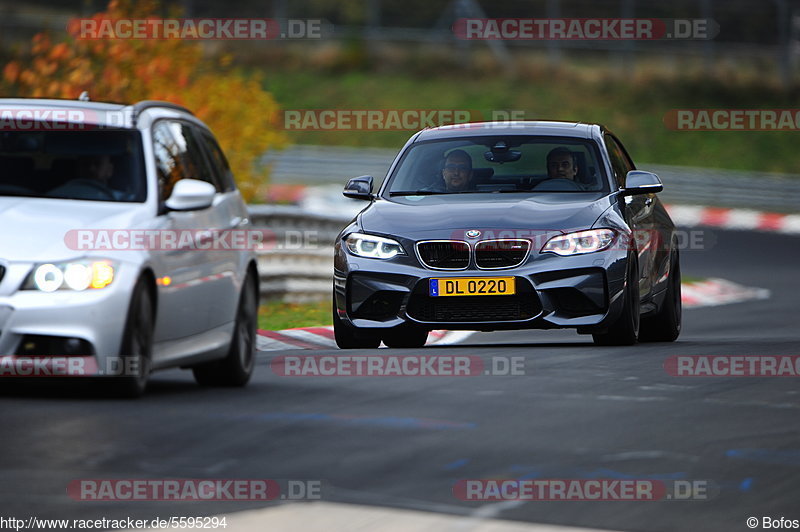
639	182
359	188
191	195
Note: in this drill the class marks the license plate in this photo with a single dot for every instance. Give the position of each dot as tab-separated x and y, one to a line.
472	286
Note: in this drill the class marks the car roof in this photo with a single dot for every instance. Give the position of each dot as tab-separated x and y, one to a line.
113	115
529	127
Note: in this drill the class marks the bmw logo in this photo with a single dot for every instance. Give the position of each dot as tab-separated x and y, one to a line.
473	233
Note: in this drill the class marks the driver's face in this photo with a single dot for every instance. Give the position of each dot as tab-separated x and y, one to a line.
561	166
457	173
101	168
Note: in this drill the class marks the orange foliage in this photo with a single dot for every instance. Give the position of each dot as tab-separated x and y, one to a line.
234	106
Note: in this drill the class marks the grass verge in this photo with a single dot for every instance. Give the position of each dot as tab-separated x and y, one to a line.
277	315
633	107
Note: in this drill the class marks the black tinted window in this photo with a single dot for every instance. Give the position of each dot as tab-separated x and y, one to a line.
84	165
620	162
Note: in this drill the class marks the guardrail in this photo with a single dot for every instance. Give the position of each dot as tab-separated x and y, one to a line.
296	264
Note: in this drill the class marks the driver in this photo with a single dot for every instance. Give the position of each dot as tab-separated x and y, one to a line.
98	168
457	171
561	164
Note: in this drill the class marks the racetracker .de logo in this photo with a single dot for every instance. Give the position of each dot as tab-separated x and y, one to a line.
732	119
214	29
395	366
193	489
46	119
733	365
583	29
570	489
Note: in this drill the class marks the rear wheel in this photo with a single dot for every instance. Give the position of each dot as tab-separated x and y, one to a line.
349	337
236	368
665	325
407	336
137	345
625	330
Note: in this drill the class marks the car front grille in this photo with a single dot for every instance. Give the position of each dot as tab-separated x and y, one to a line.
444	254
521	306
495	254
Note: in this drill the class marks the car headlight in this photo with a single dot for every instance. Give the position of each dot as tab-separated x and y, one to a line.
373	247
74	275
580	242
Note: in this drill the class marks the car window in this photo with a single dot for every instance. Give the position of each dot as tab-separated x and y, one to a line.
179	155
168	165
219	163
500	164
94	165
620	162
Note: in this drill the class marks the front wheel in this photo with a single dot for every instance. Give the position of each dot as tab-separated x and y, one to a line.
137	344
625	330
237	367
665	325
349	337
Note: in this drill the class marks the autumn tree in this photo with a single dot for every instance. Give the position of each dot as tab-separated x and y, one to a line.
234	105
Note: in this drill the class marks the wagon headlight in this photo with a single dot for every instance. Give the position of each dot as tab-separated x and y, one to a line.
74	275
373	247
580	242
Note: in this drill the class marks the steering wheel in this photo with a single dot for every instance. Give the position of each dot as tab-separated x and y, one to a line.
91	183
558	184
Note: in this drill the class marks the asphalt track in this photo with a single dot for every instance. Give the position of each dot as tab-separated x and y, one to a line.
579	412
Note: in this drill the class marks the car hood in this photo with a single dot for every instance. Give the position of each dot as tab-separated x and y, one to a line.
35	229
440	216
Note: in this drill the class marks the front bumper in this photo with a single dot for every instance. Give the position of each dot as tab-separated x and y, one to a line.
582	291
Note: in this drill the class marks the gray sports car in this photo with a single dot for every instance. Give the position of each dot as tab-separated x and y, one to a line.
510	225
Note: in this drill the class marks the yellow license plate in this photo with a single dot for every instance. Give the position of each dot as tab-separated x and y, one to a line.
472	286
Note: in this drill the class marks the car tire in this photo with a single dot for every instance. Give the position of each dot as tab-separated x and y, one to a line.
136	350
625	330
237	367
665	325
349	337
405	336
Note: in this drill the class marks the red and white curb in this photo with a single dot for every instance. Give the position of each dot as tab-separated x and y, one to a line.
707	293
322	337
715	292
743	219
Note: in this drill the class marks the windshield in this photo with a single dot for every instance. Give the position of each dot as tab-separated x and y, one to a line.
98	165
513	164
